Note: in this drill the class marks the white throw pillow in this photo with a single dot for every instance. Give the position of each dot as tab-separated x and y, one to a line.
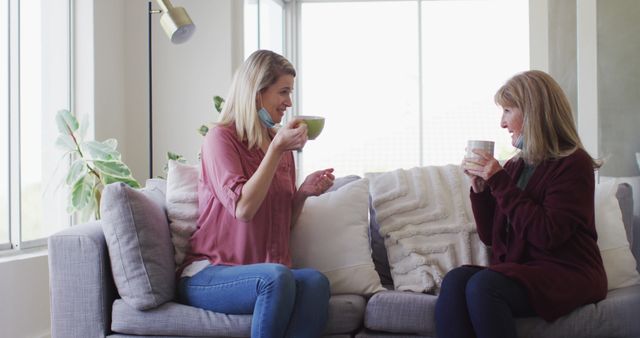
332	236
618	260
182	205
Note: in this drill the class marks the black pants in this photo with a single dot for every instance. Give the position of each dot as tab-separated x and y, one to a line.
478	302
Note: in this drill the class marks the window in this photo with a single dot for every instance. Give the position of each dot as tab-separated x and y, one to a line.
400	83
263	26
406	83
364	79
4	124
35	85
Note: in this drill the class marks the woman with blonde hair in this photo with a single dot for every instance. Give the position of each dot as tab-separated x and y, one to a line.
239	261
536	214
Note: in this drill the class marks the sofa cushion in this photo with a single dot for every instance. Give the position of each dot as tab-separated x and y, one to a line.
615	316
346	313
619	263
182	205
173	319
176	319
137	234
413	313
401	312
332	236
378	251
631	223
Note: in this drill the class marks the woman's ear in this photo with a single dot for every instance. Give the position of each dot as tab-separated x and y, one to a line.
259	99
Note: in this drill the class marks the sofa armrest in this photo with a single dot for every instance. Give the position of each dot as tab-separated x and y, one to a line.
80	282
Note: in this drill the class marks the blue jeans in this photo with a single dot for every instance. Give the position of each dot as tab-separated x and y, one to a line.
478	302
284	302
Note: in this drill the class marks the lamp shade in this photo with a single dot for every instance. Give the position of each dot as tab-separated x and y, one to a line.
175	22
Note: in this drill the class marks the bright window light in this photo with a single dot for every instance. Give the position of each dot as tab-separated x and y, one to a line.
361	72
44	89
406	83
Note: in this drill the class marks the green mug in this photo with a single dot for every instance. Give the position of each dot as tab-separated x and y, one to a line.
314	125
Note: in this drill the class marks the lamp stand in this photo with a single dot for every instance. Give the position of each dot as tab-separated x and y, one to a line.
150	12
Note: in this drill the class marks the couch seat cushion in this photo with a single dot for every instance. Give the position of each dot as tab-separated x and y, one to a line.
615	316
413	313
346	313
172	319
401	312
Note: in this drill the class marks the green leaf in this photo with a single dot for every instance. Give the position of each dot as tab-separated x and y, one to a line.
111	143
65	142
112	168
101	151
91	209
203	130
217	102
175	157
77	171
84	124
81	194
130	181
67	123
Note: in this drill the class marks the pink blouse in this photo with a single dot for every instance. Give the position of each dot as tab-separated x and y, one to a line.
221	238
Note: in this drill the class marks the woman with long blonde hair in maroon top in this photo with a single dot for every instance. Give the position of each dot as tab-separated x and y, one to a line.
537	216
239	260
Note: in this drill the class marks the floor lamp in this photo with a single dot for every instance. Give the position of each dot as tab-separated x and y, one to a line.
178	26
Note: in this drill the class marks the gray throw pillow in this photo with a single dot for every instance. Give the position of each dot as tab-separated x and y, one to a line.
137	233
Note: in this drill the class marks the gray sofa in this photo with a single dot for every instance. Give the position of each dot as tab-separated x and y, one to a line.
85	301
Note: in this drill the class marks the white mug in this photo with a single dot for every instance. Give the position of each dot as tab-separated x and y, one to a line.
479	144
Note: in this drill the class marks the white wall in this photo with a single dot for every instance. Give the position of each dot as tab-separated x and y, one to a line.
187	76
24	290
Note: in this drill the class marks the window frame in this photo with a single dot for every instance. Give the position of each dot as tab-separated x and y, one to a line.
15	242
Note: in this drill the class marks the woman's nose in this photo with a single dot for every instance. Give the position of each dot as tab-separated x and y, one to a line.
503	123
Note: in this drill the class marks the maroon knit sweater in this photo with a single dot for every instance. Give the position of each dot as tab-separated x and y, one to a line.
550	245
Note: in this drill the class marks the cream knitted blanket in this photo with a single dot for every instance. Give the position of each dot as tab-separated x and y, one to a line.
426	220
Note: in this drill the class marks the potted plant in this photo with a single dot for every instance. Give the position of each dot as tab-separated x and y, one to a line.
94	164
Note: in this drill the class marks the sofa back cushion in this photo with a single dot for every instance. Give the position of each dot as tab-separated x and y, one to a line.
624	194
331	235
619	263
182	205
137	234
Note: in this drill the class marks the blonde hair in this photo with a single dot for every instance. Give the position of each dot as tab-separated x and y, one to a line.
260	70
549	130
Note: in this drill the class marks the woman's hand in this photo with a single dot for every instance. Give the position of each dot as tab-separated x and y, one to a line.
477	183
317	183
480	169
291	136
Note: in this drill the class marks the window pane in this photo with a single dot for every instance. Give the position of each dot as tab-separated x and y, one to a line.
4	123
271	26
364	79
250	27
44	89
470	48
